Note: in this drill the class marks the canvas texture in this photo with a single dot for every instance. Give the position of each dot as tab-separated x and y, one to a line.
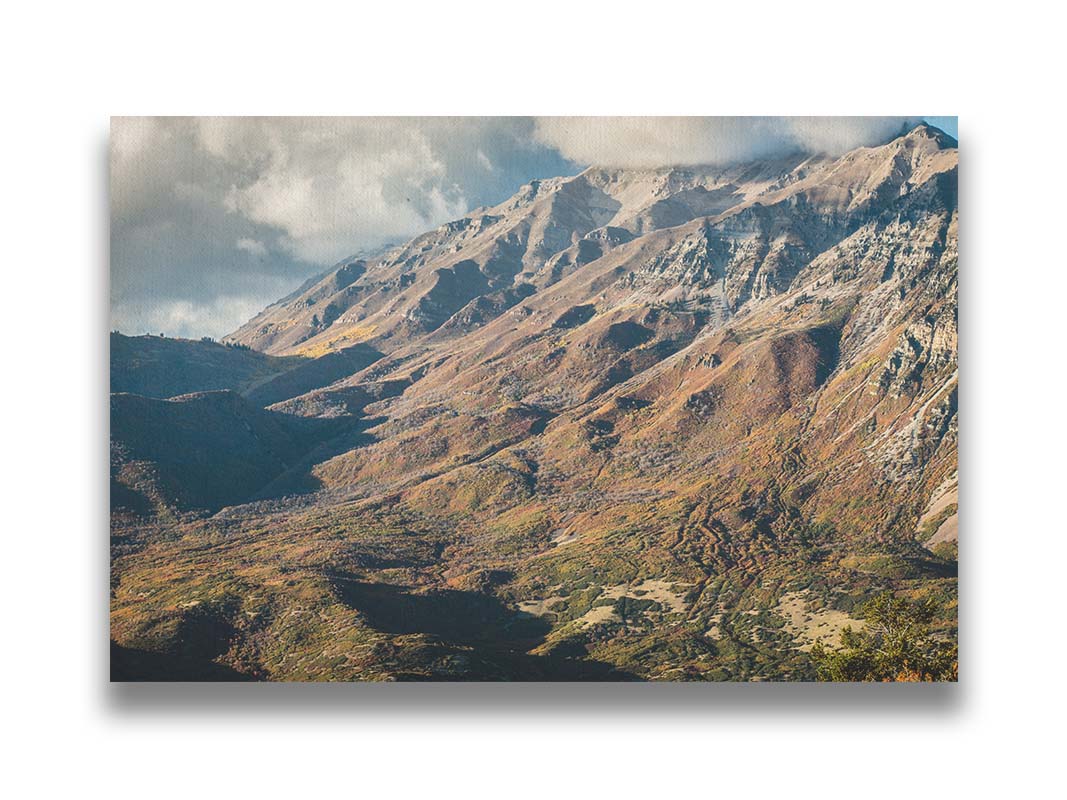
528	399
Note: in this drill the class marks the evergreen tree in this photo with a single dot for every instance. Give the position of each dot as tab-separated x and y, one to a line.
894	645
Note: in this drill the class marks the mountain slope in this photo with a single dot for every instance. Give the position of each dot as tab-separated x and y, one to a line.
202	450
154	366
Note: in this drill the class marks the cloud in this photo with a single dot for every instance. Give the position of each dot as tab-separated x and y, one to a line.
327	184
195	318
483	159
252	247
674	141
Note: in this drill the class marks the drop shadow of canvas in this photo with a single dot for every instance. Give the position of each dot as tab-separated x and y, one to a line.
556	701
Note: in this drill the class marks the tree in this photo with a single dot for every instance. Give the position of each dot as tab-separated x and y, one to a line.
894	645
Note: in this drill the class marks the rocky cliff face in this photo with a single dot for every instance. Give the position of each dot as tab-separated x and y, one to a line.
646	410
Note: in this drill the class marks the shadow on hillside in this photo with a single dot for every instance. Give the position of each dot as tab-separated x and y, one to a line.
475	637
936	568
298	479
131	664
464	617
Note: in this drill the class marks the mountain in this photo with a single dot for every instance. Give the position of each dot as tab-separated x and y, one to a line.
642	424
155	366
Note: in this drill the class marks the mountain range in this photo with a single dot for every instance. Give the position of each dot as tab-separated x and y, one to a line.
662	424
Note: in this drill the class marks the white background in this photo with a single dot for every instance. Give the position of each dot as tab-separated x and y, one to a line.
67	67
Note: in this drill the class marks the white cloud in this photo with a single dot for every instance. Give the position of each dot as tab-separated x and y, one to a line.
193	318
253	247
484	160
836	135
329	184
671	141
131	137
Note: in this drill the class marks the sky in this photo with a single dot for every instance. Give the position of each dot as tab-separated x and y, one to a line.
214	218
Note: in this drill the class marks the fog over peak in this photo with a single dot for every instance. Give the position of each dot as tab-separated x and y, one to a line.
643	142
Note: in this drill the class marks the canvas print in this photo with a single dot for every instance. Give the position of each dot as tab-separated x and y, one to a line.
534	399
